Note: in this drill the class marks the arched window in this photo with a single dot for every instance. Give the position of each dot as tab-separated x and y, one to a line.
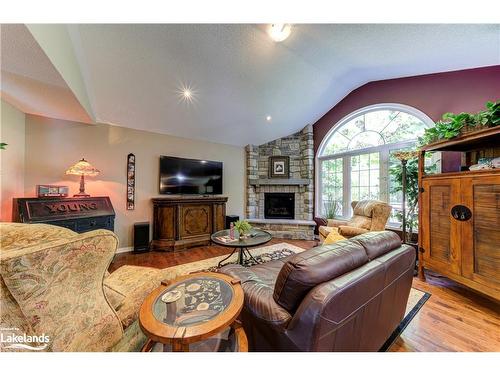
354	159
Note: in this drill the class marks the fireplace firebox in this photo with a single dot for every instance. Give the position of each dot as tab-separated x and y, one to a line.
279	206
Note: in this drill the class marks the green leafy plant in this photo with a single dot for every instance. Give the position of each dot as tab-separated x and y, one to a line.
452	125
2	146
492	113
332	208
242	226
411	191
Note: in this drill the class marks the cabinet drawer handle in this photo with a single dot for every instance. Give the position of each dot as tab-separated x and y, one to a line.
461	213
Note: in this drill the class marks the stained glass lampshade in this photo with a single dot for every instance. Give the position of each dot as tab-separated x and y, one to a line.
83	168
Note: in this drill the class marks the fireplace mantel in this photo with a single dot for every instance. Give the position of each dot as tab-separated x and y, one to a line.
279	181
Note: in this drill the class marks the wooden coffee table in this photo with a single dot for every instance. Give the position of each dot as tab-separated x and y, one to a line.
196	312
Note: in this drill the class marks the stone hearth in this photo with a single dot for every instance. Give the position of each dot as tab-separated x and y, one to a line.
299	148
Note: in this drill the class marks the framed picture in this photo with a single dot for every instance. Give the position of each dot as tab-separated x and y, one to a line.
51	191
130	181
279	167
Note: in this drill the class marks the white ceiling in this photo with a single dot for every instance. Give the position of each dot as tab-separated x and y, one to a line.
30	82
133	72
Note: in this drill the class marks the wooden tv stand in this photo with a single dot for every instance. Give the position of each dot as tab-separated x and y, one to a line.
183	221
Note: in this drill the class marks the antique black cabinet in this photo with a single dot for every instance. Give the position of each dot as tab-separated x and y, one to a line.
78	214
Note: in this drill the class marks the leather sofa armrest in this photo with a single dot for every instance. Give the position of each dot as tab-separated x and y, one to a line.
335	222
259	301
348	231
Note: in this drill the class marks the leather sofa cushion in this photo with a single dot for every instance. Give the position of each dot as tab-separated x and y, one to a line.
303	271
378	243
257	283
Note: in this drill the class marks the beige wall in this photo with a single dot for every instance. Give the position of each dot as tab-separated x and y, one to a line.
53	145
11	159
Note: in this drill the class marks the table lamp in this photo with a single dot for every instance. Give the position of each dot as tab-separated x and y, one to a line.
83	168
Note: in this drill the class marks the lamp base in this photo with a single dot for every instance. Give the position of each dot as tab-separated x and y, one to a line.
81	195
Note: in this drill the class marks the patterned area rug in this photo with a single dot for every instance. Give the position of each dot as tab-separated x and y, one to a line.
261	254
265	254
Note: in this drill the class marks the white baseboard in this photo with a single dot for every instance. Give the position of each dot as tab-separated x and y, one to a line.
124	250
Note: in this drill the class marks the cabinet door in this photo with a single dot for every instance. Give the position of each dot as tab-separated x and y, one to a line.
164	223
440	234
196	220
481	235
219	216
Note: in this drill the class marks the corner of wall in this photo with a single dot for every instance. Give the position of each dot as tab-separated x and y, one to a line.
12	159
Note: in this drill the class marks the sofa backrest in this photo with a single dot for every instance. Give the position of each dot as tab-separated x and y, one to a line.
303	271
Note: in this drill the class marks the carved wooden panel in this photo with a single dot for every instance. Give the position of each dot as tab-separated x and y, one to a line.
165	222
196	220
486	229
219	216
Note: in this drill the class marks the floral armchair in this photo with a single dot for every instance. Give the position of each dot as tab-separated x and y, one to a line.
368	215
54	282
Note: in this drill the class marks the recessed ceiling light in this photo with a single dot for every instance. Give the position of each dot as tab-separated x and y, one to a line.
186	93
279	31
268	118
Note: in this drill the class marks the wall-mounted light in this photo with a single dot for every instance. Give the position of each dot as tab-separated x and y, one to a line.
279	31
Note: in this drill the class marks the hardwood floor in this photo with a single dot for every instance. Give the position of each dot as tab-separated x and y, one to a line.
453	319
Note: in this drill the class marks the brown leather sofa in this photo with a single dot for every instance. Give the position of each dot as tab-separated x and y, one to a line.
349	296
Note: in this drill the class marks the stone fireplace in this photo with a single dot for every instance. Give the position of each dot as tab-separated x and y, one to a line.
282	206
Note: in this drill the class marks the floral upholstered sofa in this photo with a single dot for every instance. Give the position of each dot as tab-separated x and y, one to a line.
54	283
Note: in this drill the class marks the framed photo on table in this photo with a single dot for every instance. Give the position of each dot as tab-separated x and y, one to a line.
279	167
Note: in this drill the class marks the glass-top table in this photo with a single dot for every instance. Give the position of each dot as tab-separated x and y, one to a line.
254	238
193	309
193	301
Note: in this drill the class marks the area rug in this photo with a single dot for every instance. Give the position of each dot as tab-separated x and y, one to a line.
265	254
261	254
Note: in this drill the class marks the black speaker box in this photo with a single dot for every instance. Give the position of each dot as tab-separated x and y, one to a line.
141	237
231	219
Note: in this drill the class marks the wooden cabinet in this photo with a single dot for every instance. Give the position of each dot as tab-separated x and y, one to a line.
480	238
439	237
184	221
459	230
78	214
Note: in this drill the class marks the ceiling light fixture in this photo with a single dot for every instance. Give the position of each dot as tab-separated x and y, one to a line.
268	118
186	93
279	31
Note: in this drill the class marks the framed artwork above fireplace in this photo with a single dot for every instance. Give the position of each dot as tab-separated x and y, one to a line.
279	166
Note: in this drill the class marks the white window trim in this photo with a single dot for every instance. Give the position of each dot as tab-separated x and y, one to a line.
371	108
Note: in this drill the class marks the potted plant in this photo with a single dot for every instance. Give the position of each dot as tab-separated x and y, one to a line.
243	227
452	125
396	173
332	207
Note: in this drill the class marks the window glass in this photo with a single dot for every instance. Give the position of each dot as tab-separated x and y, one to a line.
357	157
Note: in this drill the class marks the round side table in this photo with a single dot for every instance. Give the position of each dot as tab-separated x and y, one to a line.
256	237
196	312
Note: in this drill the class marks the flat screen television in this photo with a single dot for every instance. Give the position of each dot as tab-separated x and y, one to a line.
190	176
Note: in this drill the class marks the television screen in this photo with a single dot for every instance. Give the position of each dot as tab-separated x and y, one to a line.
190	176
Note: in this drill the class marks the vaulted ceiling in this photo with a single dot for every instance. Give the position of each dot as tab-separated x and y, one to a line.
130	75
